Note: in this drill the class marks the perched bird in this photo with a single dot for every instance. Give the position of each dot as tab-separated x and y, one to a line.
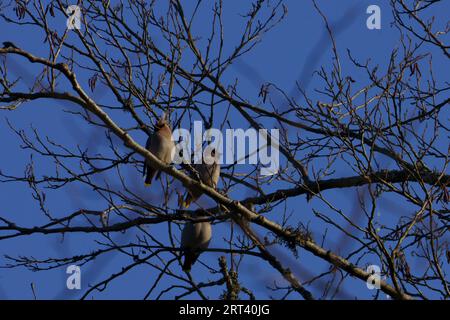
8	44
194	239
209	173
161	145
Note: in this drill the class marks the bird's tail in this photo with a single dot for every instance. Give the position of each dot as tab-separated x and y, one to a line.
149	176
187	200
189	260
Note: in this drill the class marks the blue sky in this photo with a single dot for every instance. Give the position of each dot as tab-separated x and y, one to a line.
286	54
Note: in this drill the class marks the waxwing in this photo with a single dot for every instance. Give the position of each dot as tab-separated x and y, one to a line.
209	173
161	145
194	239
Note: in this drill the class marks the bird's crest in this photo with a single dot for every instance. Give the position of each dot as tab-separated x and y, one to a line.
162	121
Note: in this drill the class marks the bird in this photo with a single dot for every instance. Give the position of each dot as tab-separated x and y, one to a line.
9	44
209	173
161	145
194	239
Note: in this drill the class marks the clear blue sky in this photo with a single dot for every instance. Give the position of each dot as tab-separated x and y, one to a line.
292	49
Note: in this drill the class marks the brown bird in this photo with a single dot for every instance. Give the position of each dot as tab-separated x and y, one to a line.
161	145
194	239
209	173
